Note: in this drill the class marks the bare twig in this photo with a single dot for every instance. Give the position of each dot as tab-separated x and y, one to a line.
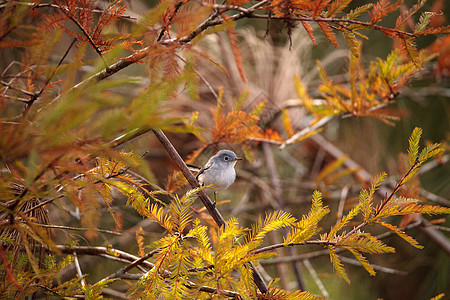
130	266
78	268
9	85
316	278
344	194
375	267
175	10
51	5
281	245
74	228
319	253
98	251
38	94
305	131
276	185
87	35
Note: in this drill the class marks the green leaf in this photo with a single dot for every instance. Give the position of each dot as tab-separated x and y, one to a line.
366	204
354	13
364	242
352	42
363	261
344	221
272	221
401	234
337	264
430	151
413	149
423	21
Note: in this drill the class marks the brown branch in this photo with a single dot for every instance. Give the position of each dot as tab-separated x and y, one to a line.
100	251
105	251
249	13
86	34
175	11
282	245
34	97
176	158
51	5
75	228
125	269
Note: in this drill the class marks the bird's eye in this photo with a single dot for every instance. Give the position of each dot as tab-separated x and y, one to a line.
226	158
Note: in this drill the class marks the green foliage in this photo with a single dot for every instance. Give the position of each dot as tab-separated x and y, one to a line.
308	225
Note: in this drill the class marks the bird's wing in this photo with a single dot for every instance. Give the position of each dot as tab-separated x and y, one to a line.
193	168
204	168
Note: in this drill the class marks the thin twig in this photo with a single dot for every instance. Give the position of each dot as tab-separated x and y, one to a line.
38	94
344	194
78	268
98	251
88	37
319	253
281	245
17	89
175	11
306	131
130	266
51	5
76	228
375	267
276	186
316	278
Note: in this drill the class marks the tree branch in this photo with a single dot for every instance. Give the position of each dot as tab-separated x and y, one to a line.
281	245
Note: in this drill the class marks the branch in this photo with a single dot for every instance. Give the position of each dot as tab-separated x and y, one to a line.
164	28
387	270
72	228
125	269
281	245
305	131
51	5
399	33
34	97
101	251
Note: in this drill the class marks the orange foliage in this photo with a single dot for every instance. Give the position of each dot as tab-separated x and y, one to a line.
232	35
237	127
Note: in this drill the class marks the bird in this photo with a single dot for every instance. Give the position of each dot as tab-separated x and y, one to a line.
219	171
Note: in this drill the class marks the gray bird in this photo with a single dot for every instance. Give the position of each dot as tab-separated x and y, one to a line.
219	171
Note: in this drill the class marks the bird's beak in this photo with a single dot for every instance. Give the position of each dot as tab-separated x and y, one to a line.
238	158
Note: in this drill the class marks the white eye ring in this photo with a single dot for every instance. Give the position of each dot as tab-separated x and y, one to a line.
225	158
